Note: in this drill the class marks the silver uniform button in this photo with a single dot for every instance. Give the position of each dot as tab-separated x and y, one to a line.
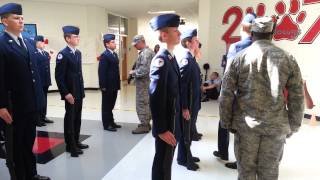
33	80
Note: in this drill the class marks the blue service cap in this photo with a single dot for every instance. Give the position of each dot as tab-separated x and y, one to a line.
109	37
164	20
11	8
70	30
248	18
189	33
39	38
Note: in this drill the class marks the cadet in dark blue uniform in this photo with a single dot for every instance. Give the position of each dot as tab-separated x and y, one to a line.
68	74
20	86
190	97
164	93
223	134
109	81
44	71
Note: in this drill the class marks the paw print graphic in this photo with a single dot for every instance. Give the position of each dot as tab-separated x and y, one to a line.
260	10
289	29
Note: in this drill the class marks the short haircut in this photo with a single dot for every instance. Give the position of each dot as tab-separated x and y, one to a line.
66	35
258	35
3	16
184	42
165	29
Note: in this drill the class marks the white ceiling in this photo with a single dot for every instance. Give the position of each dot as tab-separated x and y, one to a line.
138	8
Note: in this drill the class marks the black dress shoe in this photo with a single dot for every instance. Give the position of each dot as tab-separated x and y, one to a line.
232	165
74	152
38	177
82	146
199	134
196	137
195	159
114	125
40	124
192	166
110	128
217	154
46	120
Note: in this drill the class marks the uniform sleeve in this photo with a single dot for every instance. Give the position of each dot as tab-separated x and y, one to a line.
60	74
295	97
3	87
143	68
227	96
185	71
102	71
158	95
232	52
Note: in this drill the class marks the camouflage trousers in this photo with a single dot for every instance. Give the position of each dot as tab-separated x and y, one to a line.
142	101
258	156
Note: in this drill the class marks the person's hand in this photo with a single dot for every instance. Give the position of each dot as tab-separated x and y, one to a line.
289	135
5	115
168	137
69	98
131	72
186	114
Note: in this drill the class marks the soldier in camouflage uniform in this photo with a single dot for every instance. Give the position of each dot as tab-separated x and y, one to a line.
141	75
252	103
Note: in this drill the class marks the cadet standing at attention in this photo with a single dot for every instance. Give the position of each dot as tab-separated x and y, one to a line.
252	103
190	97
142	79
164	94
45	76
109	81
68	74
21	95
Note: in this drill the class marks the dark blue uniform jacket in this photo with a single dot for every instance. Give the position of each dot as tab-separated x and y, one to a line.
68	73
108	71
190	83
164	93
19	75
44	68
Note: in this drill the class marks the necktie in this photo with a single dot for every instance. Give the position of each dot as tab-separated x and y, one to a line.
22	44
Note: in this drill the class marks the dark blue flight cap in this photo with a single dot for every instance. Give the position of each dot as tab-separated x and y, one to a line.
164	20
248	18
11	8
109	37
70	30
189	33
39	38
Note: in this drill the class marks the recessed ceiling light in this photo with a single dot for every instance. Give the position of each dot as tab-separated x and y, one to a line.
161	12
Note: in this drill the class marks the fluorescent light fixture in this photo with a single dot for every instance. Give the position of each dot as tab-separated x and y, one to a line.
161	12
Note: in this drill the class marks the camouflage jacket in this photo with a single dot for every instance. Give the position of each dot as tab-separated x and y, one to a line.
252	91
142	68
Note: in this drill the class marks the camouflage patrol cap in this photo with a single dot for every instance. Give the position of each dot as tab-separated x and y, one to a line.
136	39
262	25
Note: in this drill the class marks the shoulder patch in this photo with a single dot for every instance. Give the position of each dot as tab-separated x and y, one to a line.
60	56
184	62
159	62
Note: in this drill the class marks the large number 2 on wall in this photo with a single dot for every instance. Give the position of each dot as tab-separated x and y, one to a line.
227	36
